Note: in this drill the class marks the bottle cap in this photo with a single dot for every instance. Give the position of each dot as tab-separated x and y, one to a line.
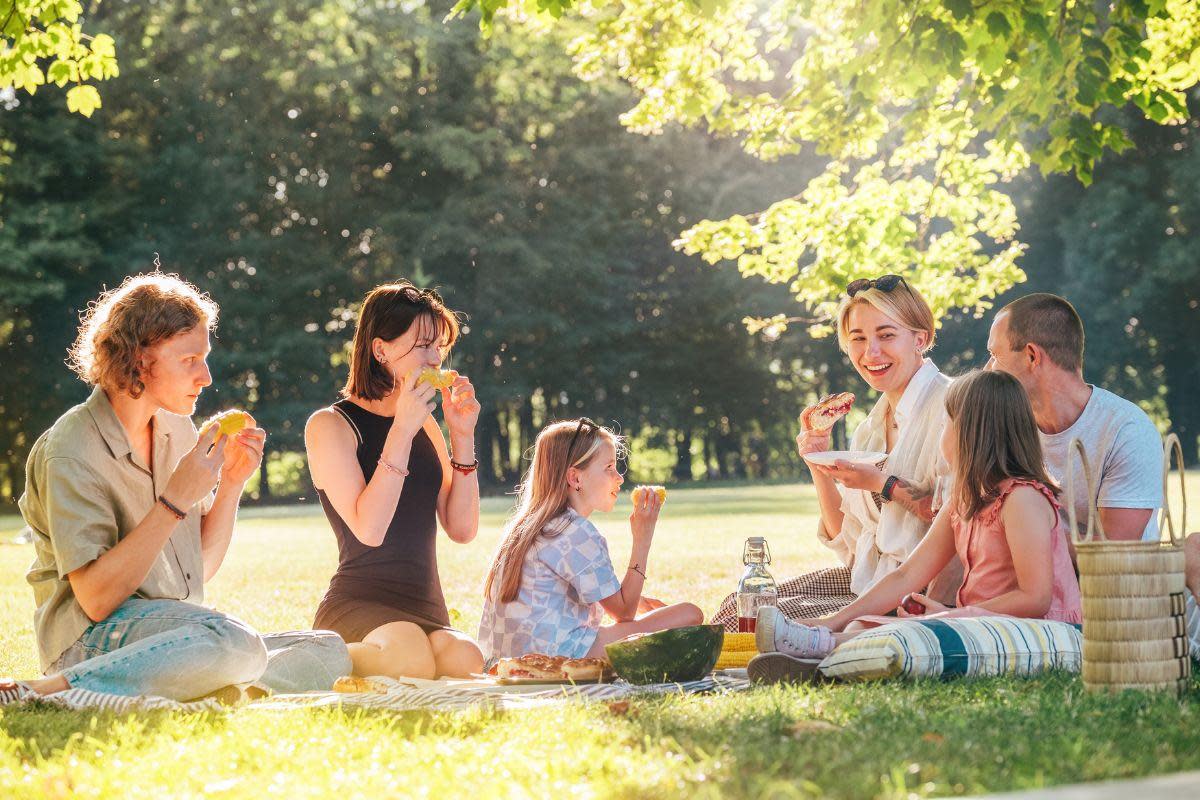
756	551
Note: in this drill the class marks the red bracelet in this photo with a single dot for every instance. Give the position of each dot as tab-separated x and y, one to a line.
465	469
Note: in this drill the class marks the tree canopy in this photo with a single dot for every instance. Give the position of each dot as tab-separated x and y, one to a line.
286	157
923	110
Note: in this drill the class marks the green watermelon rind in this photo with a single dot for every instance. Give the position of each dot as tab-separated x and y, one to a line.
673	656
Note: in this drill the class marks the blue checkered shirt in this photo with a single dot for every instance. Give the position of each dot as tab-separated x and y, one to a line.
557	610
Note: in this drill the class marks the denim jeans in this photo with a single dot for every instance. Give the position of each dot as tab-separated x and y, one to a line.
173	649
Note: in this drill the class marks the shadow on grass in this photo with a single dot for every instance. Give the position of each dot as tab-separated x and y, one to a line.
43	730
946	738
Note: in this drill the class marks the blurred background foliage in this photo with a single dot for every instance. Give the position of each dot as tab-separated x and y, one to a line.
286	157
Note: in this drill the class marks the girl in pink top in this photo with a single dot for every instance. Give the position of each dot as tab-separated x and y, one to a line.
1003	520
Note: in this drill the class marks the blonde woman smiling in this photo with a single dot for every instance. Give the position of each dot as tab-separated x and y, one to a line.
873	516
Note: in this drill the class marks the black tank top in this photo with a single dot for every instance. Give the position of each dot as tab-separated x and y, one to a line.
402	571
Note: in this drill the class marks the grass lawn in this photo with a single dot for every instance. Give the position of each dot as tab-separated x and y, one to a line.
873	740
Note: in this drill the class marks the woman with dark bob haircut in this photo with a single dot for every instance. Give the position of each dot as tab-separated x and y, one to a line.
386	479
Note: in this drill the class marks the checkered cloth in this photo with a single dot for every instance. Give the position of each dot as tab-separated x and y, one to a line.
815	594
566	573
401	695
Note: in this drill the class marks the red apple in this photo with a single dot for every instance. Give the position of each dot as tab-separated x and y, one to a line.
912	605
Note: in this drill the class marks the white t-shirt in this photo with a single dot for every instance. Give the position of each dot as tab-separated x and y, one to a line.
1124	450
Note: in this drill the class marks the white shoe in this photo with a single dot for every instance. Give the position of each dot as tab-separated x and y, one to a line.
775	633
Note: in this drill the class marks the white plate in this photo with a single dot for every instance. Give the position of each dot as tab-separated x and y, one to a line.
827	458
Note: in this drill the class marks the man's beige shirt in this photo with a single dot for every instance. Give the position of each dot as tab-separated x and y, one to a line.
85	490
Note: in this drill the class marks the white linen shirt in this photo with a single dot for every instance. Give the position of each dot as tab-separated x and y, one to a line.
874	541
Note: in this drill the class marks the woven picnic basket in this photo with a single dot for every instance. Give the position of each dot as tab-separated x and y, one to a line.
1134	631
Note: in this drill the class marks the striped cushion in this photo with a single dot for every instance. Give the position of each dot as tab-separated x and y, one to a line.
950	647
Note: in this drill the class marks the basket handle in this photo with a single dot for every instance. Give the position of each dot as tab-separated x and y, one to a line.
1171	445
1094	526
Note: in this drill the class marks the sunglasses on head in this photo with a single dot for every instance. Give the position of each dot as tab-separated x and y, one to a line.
884	283
584	422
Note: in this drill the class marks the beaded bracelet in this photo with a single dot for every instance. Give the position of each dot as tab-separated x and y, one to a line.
401	471
465	469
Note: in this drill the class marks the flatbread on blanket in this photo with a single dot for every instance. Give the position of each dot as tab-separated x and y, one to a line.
351	684
531	665
586	669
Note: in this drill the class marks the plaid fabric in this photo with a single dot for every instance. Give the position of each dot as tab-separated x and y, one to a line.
557	610
400	696
814	594
973	646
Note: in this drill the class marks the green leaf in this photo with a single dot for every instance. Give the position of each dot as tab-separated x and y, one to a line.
63	72
998	25
83	99
961	9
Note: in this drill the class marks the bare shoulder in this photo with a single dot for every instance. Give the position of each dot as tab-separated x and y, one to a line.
1026	505
327	427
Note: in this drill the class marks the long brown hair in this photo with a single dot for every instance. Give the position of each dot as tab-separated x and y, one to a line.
543	496
387	312
119	325
996	437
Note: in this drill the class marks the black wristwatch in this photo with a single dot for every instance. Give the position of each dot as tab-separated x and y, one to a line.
888	486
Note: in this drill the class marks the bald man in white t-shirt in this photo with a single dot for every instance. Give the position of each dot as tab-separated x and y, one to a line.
1039	340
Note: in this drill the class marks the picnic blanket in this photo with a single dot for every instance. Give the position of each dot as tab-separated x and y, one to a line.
400	695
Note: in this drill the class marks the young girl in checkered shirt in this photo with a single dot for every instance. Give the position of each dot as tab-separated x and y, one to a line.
552	579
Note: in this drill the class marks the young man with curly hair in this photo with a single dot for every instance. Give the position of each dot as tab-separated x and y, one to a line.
132	510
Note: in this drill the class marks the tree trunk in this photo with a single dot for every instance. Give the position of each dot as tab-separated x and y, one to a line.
502	445
486	451
264	486
527	431
682	470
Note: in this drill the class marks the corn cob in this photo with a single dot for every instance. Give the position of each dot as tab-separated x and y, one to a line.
736	651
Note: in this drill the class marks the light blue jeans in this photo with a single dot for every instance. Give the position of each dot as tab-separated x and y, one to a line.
182	651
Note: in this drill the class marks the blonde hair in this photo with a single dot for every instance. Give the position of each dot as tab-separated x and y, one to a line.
903	304
121	323
996	437
543	496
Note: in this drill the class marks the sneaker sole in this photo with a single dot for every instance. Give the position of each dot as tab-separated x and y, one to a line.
782	668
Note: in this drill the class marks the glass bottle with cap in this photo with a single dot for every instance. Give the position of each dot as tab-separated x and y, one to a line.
757	587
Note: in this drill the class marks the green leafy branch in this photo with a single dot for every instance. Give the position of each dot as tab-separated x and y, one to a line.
42	41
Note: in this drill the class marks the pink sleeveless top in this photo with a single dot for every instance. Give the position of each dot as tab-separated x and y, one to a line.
983	548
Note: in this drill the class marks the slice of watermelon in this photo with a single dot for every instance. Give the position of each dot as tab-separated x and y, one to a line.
674	656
